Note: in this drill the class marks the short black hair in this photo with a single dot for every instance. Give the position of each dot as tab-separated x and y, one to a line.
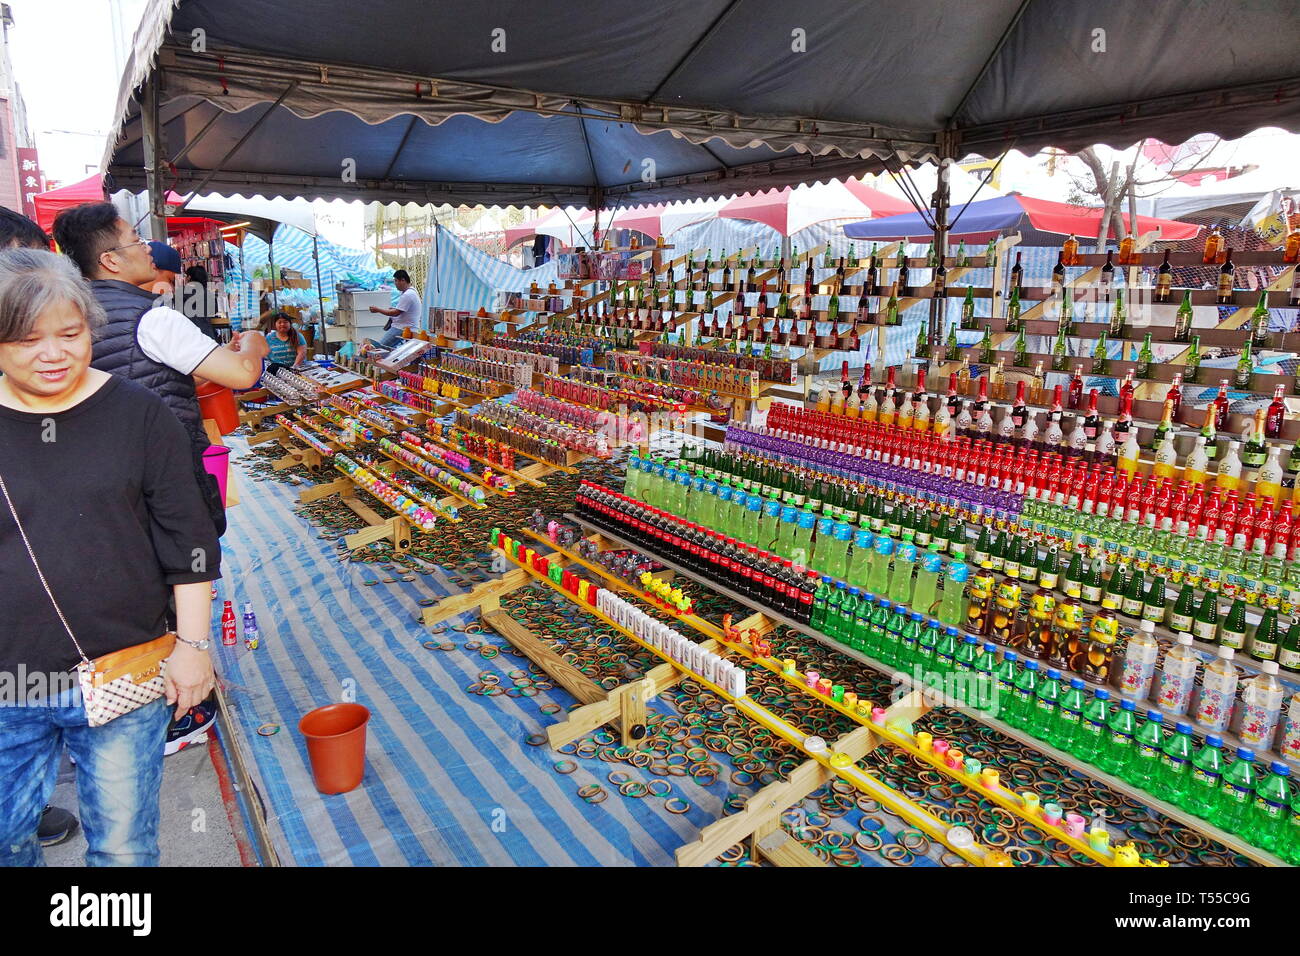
19	232
197	274
84	232
402	274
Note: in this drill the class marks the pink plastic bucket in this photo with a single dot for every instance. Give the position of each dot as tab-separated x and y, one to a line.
217	461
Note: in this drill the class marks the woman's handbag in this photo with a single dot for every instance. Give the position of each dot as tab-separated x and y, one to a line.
116	683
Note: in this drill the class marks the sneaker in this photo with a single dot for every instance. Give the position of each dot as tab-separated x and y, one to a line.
57	825
192	728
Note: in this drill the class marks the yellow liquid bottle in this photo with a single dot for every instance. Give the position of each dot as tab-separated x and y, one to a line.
1128	455
1196	469
1166	459
1268	482
824	399
870	409
1228	476
904	416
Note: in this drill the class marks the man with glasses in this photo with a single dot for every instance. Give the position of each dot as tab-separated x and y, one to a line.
143	339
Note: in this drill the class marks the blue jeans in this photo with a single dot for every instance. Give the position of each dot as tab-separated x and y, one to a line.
119	776
390	339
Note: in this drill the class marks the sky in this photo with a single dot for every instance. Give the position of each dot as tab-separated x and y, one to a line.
68	67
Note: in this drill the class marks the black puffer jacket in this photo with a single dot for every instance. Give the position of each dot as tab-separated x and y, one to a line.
118	352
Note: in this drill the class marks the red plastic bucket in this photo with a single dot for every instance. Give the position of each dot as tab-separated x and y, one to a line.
216	459
336	745
218	403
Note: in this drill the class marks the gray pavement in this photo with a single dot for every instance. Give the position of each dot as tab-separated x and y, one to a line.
194	829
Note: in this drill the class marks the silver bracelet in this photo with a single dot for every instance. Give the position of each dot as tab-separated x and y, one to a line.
197	645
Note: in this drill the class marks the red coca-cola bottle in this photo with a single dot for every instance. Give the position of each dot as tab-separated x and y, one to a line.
229	636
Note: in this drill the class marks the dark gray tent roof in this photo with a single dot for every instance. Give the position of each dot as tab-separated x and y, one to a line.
722	95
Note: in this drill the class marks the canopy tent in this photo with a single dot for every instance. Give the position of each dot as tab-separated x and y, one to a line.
259	216
581	103
53	201
985	218
791	209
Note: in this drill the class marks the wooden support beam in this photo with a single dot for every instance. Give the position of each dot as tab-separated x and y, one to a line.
762	812
479	595
539	652
271	434
339	486
781	849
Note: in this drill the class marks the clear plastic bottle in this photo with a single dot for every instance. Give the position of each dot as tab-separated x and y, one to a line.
952	604
878	575
1261	706
900	579
925	590
860	561
1139	662
1218	692
1178	677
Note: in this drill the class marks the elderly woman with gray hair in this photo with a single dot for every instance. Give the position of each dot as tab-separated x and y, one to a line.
101	523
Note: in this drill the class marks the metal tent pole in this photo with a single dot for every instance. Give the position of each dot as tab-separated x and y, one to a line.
153	158
320	293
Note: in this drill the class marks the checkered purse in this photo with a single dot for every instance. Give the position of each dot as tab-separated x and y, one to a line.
113	684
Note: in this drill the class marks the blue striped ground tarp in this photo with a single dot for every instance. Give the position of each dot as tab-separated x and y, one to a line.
467	279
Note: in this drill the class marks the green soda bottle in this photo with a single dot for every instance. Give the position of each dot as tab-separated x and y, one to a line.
1202	796
785	537
964	668
926	644
879	633
838	564
1119	744
900	579
1236	793
1182	616
824	544
862	623
1069	717
1023	696
849	615
1092	731
985	681
820	602
1004	676
1144	758
910	639
1269	817
769	532
1175	765
894	634
1047	696
861	559
878	573
834	619
945	651
925	591
952	603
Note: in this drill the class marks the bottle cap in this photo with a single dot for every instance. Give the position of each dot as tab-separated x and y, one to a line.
971	639
1245	753
1226	653
1076	683
990	648
1213	740
884	545
1269	667
854	591
1127	705
1185	639
1155	715
1011	656
1279	768
1053	674
1031	665
1101	693
932	562
1148	626
949	630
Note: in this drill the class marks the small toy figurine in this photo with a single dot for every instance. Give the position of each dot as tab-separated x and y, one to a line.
1126	854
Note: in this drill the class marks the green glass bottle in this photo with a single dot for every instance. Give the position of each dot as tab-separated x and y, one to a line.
1013	311
1047	695
1245	368
1100	360
968	309
1236	793
1183	318
1202	795
1119	745
1060	352
1233	632
1182	616
1094	728
1205	626
986	346
1145	358
1154	601
1192	363
1134	595
1023	696
1144	758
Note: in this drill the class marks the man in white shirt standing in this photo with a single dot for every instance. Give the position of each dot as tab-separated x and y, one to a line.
405	316
144	339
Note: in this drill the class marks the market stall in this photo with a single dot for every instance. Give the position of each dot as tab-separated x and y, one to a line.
725	604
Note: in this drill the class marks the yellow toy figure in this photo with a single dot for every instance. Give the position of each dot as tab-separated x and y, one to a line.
997	858
1126	854
730	633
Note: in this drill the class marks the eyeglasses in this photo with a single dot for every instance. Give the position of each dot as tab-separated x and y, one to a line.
130	245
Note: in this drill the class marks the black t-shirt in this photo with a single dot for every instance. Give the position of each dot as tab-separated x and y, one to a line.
106	493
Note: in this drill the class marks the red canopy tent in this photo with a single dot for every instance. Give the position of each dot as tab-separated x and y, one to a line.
791	209
91	189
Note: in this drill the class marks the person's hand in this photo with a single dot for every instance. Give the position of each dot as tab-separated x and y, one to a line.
190	678
374	308
235	339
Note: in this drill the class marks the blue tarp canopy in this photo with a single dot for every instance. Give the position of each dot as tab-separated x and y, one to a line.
609	102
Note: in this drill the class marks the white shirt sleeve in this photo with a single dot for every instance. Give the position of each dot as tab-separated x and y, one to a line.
170	339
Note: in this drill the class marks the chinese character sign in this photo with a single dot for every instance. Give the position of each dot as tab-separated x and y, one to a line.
30	179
